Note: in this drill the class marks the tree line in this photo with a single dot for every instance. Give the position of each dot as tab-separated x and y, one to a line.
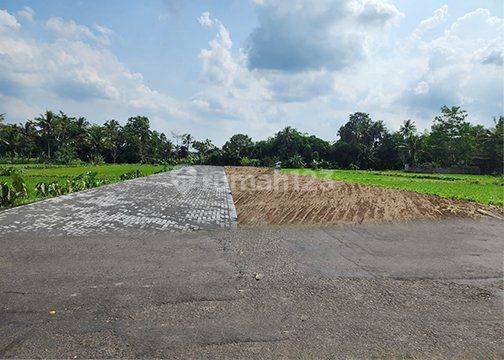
361	143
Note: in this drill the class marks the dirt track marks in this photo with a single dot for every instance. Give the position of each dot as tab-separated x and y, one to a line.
268	197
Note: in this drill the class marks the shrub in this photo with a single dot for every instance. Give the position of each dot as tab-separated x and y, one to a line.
81	182
65	156
9	170
269	162
255	162
295	162
324	164
131	175
10	194
245	161
315	165
97	160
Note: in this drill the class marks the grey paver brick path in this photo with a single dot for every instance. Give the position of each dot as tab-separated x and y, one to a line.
190	198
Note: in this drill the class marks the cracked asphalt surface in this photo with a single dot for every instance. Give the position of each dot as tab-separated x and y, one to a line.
418	289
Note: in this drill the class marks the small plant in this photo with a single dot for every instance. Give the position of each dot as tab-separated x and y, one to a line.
41	189
78	183
315	165
96	160
88	180
255	162
6	198
295	162
245	161
163	169
19	185
10	194
9	170
131	175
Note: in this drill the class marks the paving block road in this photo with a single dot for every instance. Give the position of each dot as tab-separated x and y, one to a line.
190	198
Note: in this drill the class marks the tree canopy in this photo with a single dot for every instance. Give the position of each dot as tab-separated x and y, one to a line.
361	143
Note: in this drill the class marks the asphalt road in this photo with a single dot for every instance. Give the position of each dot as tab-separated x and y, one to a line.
422	289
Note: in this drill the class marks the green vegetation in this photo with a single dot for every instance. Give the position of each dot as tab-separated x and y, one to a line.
484	189
361	143
43	180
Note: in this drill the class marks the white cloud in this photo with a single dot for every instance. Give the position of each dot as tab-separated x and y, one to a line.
27	13
73	71
8	21
412	78
309	65
205	20
459	71
314	35
218	64
378	12
421	88
432	22
103	30
72	30
495	57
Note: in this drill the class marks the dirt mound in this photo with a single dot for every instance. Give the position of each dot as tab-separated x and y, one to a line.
269	197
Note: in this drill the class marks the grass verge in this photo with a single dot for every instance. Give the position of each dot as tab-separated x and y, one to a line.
32	174
485	189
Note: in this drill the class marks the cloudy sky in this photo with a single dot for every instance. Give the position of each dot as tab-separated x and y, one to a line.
215	68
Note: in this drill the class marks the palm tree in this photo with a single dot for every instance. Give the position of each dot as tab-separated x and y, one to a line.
2	119
79	134
408	129
96	140
30	138
112	130
187	140
47	124
411	141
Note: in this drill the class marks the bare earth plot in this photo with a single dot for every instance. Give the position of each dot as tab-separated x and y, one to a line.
268	197
92	285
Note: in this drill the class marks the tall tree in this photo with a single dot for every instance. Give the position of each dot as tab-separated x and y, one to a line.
47	124
364	133
187	140
203	147
410	142
112	133
136	135
96	141
3	141
237	147
451	140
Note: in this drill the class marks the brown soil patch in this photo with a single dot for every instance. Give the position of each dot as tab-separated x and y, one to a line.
269	197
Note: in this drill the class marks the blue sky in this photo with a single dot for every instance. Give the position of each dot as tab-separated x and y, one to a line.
215	68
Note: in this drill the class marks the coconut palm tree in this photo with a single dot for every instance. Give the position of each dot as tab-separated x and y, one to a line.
112	132
408	128
2	140
187	140
47	124
410	140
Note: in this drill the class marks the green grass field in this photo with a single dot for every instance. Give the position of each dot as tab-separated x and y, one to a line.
110	173
484	189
